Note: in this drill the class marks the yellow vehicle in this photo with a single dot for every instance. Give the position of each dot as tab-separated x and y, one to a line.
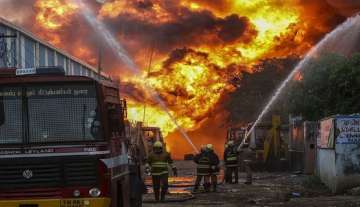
236	134
151	135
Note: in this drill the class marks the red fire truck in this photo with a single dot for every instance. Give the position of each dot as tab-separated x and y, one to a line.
61	141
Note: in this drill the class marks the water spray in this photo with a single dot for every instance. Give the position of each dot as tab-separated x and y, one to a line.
122	54
339	46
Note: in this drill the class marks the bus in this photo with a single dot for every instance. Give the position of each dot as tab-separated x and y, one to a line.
62	141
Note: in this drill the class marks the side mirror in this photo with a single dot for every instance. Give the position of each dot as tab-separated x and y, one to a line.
2	111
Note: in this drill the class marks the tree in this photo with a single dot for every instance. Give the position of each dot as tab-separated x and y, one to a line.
330	86
255	89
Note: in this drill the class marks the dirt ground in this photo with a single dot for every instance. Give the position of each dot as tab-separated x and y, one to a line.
268	189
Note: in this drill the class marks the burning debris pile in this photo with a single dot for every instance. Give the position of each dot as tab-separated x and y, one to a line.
191	51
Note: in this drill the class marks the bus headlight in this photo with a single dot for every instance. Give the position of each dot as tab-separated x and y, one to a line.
94	192
76	193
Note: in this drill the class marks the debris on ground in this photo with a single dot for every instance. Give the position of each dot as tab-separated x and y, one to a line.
281	189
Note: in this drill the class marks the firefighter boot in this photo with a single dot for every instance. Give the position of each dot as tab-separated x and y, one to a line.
163	193
214	187
157	195
236	175
207	187
248	175
197	183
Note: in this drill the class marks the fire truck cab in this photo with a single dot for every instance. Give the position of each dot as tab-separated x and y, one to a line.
62	141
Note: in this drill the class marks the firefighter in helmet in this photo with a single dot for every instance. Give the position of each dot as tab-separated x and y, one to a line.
247	156
214	166
202	168
158	164
231	163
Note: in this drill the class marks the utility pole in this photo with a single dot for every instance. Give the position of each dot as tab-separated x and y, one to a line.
148	72
100	61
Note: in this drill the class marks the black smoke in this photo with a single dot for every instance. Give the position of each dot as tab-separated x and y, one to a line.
190	28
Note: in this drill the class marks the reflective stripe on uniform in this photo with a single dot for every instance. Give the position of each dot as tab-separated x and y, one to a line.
160	173
204	174
231	158
159	168
203	166
160	164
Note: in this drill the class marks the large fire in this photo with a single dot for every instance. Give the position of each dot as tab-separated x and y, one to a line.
197	47
192	85
52	14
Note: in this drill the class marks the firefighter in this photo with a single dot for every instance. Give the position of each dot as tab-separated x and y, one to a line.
214	166
202	168
246	155
231	163
158	163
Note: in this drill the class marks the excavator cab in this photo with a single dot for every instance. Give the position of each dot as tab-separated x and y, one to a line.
151	135
236	134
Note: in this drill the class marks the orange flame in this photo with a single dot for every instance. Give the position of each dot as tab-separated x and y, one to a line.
54	14
192	85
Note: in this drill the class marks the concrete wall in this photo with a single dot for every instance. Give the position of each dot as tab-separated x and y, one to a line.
347	166
339	163
326	167
339	169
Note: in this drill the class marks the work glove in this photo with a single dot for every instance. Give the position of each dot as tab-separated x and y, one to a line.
174	169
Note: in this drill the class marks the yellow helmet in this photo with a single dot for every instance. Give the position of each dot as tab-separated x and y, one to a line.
209	146
158	144
231	142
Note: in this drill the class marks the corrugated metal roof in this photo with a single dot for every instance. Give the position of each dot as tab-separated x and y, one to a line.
58	50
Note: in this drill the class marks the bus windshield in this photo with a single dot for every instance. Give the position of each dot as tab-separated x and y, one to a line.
49	113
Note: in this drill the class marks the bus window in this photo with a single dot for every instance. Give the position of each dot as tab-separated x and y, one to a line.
63	113
11	127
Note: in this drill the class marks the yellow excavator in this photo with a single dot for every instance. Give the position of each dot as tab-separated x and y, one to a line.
236	134
272	143
267	141
150	136
275	145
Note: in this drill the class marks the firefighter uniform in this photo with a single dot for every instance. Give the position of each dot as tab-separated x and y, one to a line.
202	168
158	162
231	163
214	166
246	157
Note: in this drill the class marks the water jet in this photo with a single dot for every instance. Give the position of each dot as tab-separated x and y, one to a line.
122	54
340	41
